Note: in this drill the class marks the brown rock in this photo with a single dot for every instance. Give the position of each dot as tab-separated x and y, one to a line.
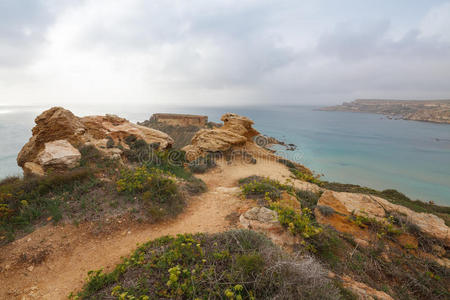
54	124
58	124
376	207
235	133
238	124
30	168
217	140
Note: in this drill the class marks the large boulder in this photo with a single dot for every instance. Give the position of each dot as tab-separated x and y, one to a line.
58	133
59	154
236	132
378	208
52	125
239	125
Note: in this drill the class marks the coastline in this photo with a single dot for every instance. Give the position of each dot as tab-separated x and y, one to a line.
433	111
327	143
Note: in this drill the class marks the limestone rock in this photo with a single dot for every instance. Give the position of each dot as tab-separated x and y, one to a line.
235	133
30	168
57	124
52	125
261	214
60	154
376	207
214	140
239	125
264	220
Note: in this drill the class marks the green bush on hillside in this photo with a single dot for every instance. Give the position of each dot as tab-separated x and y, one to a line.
237	264
25	200
153	187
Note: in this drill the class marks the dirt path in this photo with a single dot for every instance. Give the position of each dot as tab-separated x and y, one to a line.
59	257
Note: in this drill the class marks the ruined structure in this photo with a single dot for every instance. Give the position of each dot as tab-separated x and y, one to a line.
180	119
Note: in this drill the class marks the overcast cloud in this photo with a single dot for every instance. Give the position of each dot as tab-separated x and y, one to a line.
222	52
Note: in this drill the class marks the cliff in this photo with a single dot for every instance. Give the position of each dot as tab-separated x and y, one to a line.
437	111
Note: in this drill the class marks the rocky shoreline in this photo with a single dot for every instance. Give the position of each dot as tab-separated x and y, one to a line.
435	111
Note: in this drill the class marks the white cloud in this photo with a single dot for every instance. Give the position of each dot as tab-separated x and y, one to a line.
228	52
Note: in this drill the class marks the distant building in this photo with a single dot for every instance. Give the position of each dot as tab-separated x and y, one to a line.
180	119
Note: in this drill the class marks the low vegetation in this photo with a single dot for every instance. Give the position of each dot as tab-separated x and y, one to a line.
237	265
257	187
151	188
387	265
203	164
26	201
384	266
269	191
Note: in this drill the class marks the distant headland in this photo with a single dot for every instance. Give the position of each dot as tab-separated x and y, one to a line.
437	111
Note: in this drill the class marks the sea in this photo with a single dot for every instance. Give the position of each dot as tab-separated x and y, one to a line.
366	149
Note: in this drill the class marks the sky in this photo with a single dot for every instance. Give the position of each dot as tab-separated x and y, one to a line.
56	52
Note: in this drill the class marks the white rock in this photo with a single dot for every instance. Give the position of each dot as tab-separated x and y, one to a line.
59	153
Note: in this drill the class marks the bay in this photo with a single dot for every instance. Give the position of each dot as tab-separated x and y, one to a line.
366	149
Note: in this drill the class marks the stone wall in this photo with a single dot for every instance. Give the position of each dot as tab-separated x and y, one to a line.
180	119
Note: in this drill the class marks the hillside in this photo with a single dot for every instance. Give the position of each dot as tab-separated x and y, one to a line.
437	111
223	218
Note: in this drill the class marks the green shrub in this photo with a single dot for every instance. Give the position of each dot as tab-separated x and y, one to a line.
326	210
307	198
25	201
154	188
250	264
298	224
305	176
89	155
287	163
238	264
259	187
382	228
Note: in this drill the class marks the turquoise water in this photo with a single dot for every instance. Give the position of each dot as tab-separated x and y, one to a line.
366	149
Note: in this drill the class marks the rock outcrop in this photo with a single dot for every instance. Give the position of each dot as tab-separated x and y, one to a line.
235	133
264	220
345	204
59	133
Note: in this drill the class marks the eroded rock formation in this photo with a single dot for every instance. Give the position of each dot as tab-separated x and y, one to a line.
59	134
236	132
345	204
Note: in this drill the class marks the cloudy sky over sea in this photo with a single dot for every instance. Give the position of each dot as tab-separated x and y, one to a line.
222	52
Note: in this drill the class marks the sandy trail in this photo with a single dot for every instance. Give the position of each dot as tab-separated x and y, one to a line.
74	251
